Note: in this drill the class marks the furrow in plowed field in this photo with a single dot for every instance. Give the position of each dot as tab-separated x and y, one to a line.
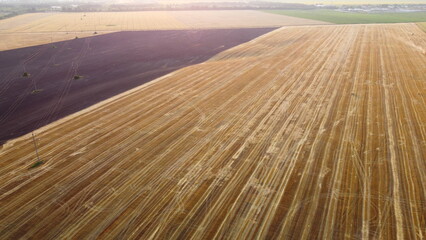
305	132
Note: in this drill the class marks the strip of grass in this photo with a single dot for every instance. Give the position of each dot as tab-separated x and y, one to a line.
353	18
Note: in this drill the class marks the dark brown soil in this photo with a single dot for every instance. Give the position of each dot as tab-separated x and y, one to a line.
65	77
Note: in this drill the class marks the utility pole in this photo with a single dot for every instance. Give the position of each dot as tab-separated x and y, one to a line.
36	148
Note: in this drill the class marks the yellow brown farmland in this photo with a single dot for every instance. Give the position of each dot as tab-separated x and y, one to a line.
95	21
10	41
40	28
305	131
147	20
422	26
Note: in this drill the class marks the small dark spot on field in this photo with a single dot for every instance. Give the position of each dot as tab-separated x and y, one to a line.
36	164
36	91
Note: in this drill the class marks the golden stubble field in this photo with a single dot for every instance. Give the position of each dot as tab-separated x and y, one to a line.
305	131
422	26
41	28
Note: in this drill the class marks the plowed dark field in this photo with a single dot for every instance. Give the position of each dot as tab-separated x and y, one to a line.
68	76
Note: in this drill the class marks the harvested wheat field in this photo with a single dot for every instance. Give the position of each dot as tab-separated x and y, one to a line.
11	36
9	41
150	20
96	21
305	132
238	19
41	28
422	26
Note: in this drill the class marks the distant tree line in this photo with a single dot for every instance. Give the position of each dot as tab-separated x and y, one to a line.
11	10
188	6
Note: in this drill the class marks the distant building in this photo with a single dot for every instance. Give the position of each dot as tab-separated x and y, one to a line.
55	8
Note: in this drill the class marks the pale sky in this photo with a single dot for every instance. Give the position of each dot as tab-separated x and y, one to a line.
331	2
353	1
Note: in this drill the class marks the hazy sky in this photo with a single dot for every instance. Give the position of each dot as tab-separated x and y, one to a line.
366	2
351	1
328	2
315	1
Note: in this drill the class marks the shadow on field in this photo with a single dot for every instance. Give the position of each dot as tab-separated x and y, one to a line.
41	84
